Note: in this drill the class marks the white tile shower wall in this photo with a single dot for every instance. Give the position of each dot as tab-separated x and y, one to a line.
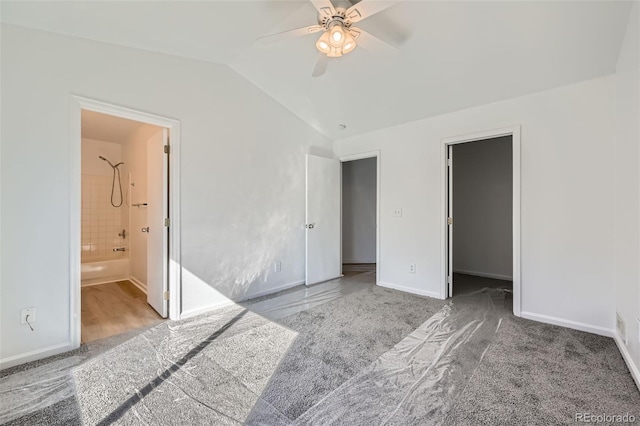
101	222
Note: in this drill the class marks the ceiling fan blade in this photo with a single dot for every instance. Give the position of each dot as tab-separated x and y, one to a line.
321	65
324	7
272	38
366	8
372	43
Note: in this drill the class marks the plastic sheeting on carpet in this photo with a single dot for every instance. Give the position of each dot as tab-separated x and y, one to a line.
31	390
206	370
213	367
417	381
306	298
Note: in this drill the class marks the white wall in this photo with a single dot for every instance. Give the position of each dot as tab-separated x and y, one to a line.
242	176
483	208
627	183
359	211
567	177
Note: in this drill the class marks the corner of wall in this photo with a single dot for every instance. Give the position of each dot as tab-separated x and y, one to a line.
628	359
627	193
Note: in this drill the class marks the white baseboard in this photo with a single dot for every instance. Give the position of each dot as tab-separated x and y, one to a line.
138	283
273	290
483	274
633	368
411	290
35	355
594	329
229	302
204	309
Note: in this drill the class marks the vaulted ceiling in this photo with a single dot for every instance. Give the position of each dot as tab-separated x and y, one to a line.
451	55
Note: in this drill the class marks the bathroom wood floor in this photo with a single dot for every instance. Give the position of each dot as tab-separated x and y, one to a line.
113	308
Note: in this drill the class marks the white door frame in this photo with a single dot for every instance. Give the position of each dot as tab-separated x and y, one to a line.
514	132
77	104
362	156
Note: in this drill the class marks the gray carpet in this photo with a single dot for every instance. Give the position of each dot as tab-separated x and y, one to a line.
464	284
416	381
338	339
538	374
43	391
297	357
61	413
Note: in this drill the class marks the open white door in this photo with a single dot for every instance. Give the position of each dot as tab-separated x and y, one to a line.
157	211
323	219
450	219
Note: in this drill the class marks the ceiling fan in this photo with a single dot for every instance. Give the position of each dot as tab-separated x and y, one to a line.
339	36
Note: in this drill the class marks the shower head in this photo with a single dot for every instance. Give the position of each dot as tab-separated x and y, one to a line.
104	159
111	164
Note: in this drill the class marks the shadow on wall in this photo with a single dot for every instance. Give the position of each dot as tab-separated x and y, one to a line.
251	230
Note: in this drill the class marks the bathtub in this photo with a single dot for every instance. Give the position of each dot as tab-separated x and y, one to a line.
104	271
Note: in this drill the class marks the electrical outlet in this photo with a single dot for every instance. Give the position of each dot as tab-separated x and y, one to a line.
412	268
277	266
397	212
31	312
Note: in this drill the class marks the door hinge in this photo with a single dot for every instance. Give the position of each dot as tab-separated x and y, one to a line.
166	149
449	279
449	163
449	221
167	221
165	295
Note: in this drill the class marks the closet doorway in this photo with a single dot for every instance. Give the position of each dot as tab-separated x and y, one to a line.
482	242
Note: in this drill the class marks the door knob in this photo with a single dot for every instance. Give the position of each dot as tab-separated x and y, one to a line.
310	225
146	229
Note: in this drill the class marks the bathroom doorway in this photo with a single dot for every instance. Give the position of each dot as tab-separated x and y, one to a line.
124	216
123	207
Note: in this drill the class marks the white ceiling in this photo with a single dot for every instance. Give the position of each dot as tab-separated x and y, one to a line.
452	55
108	128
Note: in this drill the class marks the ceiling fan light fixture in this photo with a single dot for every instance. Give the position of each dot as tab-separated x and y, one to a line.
339	37
326	46
323	43
349	44
336	38
335	53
